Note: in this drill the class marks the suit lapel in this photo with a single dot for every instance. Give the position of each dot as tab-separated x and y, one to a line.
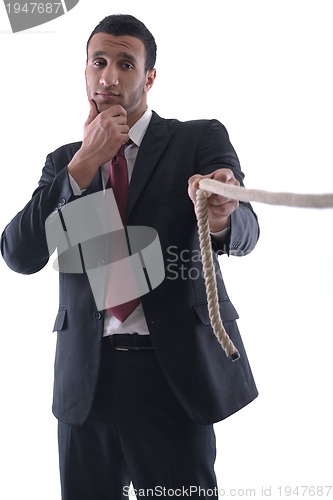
152	148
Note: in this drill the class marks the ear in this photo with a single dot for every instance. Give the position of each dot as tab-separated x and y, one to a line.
150	78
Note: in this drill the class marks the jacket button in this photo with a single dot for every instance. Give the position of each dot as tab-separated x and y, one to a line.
61	203
97	315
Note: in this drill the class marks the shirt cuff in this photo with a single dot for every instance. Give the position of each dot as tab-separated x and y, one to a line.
221	236
77	191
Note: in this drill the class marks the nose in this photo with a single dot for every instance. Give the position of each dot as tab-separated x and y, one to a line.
109	77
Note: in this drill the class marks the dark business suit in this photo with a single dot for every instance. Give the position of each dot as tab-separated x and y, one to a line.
208	386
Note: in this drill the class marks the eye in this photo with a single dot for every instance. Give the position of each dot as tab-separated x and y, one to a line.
99	62
127	66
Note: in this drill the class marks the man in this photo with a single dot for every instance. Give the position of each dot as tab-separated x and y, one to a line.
136	398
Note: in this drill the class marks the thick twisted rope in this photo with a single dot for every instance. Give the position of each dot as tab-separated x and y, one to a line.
245	195
271	198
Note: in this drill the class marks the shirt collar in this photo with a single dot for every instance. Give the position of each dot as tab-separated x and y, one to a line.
137	132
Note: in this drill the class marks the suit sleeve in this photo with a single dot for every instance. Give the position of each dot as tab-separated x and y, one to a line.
23	242
215	152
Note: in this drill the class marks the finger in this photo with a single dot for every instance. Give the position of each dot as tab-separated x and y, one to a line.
120	119
219	199
223	210
113	116
194	185
116	110
93	112
194	181
121	132
225	175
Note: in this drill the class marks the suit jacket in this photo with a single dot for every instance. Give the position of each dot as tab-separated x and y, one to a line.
209	386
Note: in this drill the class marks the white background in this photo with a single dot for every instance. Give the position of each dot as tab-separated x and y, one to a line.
264	68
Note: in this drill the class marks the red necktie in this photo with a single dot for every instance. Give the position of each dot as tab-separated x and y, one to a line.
119	183
119	180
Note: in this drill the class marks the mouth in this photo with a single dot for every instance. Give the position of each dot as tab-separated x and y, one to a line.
106	95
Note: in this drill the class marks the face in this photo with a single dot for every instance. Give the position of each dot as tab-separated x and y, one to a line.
115	74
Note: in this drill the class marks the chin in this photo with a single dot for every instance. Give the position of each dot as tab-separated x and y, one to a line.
102	106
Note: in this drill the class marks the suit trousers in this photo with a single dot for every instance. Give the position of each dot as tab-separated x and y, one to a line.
137	439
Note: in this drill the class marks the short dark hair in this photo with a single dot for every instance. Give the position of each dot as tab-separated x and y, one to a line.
124	24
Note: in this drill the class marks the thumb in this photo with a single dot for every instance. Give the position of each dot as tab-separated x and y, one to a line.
93	112
193	182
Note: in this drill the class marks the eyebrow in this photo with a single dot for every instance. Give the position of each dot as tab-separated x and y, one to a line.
98	53
120	55
126	55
